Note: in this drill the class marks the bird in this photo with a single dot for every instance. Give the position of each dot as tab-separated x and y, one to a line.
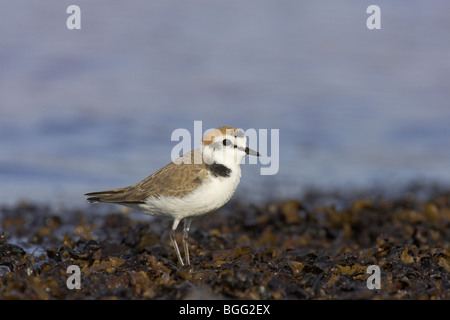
192	185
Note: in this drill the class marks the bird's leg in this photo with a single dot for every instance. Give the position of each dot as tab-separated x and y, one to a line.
174	240
187	225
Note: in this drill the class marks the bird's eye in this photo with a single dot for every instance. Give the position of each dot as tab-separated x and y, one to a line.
226	142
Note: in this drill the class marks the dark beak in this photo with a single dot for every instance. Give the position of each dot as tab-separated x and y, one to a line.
251	152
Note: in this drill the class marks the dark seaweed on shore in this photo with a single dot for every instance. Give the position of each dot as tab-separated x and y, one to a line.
295	249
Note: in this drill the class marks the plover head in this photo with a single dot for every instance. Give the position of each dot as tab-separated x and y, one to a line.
225	145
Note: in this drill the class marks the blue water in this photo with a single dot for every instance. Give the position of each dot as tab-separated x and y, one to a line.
92	109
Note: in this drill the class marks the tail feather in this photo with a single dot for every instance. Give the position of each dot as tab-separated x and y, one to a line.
94	199
103	196
119	196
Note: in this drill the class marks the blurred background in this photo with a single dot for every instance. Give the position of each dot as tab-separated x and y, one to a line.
94	109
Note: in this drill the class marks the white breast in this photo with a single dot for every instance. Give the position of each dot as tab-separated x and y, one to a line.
211	195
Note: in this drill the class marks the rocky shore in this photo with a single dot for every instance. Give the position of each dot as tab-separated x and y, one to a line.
323	246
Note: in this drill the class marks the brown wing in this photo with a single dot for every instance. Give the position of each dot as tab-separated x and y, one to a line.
175	179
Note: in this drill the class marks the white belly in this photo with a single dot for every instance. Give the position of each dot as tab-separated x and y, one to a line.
208	197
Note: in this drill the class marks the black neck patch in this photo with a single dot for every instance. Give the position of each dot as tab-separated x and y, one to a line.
219	170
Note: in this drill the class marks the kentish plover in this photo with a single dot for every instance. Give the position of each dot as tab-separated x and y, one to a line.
192	185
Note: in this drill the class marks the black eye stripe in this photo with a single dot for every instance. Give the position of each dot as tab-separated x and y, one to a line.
226	142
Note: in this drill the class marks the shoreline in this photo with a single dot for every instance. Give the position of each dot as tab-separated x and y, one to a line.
316	247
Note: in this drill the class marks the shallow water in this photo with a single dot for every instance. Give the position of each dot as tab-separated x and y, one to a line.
92	109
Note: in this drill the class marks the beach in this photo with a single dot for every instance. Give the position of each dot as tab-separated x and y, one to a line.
323	246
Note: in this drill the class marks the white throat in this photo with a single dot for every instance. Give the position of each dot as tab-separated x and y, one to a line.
230	158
